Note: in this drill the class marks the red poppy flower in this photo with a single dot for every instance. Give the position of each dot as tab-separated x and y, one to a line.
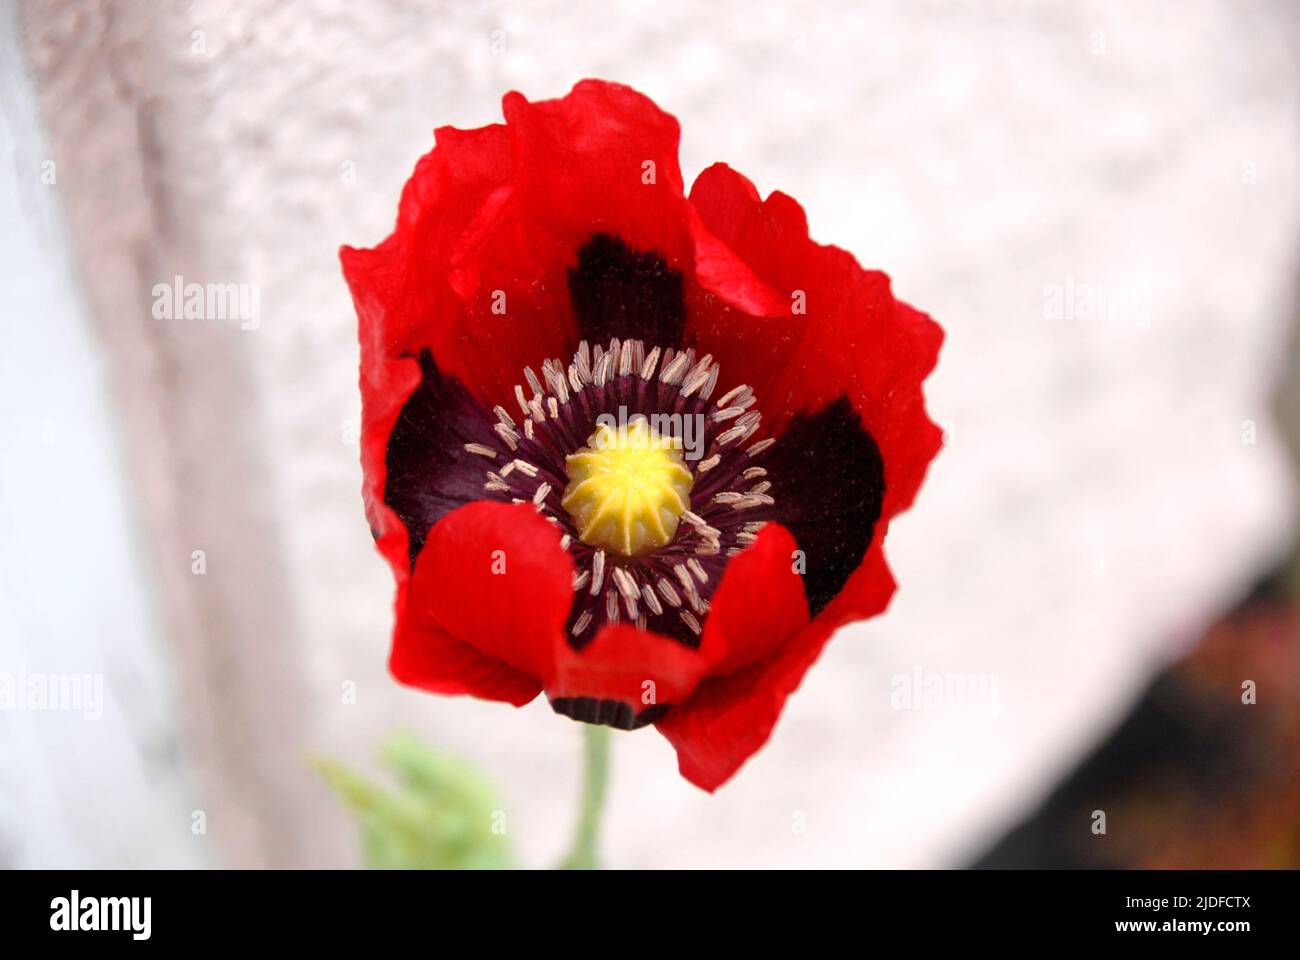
634	448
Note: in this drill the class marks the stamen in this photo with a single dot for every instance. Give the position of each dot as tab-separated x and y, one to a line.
648	368
711	382
541	494
670	373
735	433
510	438
555	380
669	592
731	394
651	599
626	585
698	376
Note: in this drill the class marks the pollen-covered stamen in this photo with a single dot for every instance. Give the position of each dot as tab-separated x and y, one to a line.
651	485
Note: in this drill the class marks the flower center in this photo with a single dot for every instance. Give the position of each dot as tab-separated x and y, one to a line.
628	488
650	530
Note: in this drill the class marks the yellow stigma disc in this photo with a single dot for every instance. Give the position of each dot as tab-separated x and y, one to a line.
627	488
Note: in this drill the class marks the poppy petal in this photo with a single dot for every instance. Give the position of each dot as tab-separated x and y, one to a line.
843	332
842	336
758	605
457	276
728	718
623	664
602	159
494	576
425	656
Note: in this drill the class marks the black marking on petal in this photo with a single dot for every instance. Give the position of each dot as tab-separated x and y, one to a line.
609	713
429	471
620	292
828	480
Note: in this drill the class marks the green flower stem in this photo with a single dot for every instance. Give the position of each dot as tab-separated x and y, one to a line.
595	772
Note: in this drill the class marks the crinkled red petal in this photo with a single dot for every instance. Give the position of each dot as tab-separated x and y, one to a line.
485	609
730	717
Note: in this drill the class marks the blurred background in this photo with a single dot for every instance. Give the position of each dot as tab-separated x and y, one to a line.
1097	609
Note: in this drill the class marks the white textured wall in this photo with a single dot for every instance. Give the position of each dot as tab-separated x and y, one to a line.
1095	502
104	779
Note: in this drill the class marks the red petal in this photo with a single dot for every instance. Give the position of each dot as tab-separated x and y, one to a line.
385	387
729	718
721	273
855	338
759	603
581	165
638	667
457	276
424	656
491	220
493	580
